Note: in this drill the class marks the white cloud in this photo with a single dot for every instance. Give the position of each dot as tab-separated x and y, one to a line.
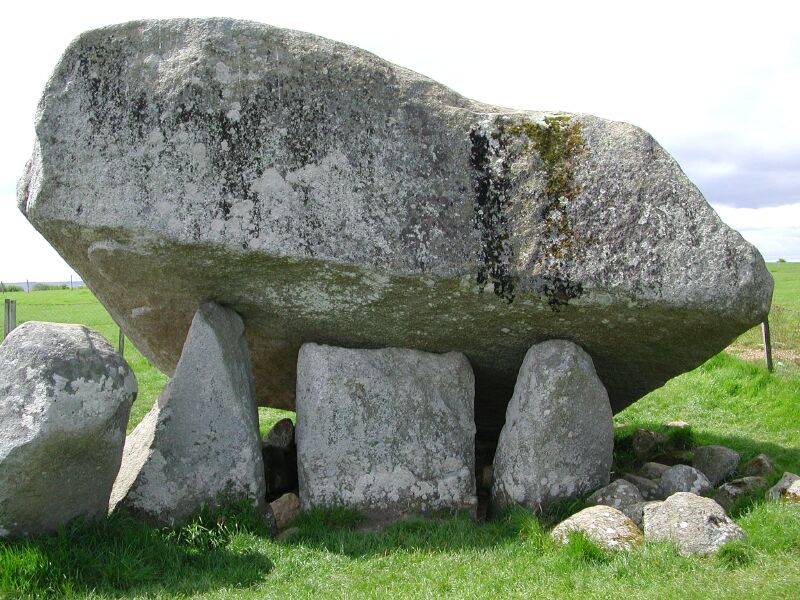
774	230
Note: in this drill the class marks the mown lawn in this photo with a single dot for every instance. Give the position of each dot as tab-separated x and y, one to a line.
727	401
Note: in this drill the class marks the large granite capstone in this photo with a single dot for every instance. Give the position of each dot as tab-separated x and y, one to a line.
327	195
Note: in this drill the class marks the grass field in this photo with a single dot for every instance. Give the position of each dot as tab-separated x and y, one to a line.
727	401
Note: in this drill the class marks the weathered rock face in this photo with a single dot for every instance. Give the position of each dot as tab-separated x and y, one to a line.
604	525
388	432
199	445
328	195
780	489
683	478
727	495
65	396
696	525
558	437
715	462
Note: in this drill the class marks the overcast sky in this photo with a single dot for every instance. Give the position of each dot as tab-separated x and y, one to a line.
717	83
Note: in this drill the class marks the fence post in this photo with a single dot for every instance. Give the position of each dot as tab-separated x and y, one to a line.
121	344
767	343
6	317
9	316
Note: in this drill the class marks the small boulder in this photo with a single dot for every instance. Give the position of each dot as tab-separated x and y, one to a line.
683	478
285	509
647	444
732	491
617	494
281	435
792	493
65	396
653	470
777	491
604	525
198	447
717	463
635	512
676	425
558	438
696	525
759	466
674	457
388	432
648	488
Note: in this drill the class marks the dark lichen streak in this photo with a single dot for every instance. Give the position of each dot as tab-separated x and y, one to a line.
491	185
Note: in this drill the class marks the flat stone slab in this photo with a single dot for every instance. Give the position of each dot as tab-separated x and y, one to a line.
327	195
199	445
388	432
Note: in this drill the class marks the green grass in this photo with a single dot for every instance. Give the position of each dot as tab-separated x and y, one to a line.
784	318
726	400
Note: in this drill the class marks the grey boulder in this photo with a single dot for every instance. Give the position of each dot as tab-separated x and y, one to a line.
622	495
199	446
388	432
759	466
646	486
696	525
653	470
328	195
558	439
65	396
683	478
647	444
285	509
604	525
727	495
717	463
777	491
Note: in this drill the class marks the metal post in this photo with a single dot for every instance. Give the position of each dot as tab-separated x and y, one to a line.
121	344
767	344
6	317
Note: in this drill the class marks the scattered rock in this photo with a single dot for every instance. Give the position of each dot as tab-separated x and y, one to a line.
676	425
635	512
198	447
604	525
279	453
369	206
777	491
617	494
653	470
759	465
387	432
647	487
280	436
792	493
65	396
717	463
285	509
732	491
696	525
558	438
683	478
674	457
647	444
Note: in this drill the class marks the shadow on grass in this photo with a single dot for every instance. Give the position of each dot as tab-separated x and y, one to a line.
120	555
342	531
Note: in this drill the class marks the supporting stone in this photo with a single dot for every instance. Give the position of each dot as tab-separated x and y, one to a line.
558	437
388	432
199	446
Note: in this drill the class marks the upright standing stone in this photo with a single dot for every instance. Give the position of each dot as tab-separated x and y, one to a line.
558	438
388	432
65	395
199	445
